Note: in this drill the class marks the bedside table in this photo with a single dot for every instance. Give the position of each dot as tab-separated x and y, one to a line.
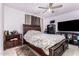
12	41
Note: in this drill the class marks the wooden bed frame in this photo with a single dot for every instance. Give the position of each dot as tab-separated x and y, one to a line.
56	50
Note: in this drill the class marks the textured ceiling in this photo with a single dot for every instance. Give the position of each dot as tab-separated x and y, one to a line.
33	8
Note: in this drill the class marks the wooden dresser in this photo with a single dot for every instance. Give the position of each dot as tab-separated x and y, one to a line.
12	41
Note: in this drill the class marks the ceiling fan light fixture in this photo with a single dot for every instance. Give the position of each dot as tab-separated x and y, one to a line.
49	9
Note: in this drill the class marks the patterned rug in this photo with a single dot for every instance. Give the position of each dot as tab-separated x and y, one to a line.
24	51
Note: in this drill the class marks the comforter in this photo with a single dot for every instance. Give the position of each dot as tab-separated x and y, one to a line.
42	40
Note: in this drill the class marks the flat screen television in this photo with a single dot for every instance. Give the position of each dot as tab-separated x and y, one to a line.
72	25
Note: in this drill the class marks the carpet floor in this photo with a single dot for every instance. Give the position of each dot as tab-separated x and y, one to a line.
24	51
27	51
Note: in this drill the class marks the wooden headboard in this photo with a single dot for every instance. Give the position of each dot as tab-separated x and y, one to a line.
30	27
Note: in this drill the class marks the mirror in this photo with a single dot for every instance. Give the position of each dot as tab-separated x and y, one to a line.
32	20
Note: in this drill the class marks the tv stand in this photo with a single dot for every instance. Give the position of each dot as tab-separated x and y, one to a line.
71	37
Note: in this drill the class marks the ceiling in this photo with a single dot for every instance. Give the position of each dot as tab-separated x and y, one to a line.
33	8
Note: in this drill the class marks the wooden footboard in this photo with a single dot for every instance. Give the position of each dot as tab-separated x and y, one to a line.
38	50
58	49
55	50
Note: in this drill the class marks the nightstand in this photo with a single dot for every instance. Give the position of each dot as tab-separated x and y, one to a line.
12	41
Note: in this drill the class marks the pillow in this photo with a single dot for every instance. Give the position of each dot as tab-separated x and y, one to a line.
31	33
34	32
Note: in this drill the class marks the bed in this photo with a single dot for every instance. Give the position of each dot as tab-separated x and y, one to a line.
56	49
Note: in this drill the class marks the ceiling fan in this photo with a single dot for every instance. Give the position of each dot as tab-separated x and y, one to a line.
50	7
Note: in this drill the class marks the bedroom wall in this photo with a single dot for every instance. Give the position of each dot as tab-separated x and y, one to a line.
1	29
63	17
45	23
66	16
13	19
12	16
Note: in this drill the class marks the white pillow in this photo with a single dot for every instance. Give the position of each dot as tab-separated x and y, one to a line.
31	33
34	32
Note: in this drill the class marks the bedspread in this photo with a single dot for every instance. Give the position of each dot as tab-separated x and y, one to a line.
42	40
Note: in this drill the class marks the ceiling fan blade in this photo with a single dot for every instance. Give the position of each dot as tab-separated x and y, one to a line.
45	11
43	7
57	6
